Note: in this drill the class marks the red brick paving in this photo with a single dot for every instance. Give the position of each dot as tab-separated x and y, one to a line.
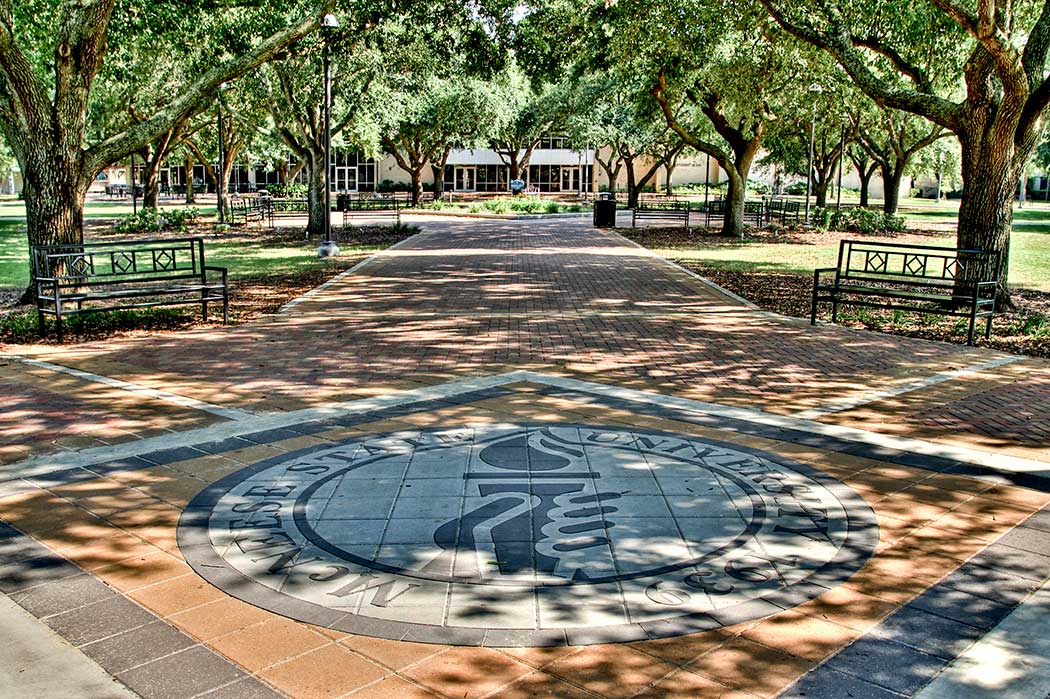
473	298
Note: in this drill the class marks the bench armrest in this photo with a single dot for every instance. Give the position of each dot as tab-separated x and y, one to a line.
994	286
822	270
225	272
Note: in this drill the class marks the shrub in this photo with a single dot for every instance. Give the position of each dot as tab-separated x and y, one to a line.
387	186
796	188
522	205
857	220
294	189
154	220
758	187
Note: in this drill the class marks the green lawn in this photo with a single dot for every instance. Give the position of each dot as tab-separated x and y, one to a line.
1029	251
244	259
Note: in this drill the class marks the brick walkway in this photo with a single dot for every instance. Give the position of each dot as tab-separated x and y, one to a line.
98	473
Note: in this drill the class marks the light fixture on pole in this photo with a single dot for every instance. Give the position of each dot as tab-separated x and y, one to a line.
220	197
328	247
814	90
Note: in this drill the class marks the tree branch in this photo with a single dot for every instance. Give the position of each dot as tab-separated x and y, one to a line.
840	45
193	96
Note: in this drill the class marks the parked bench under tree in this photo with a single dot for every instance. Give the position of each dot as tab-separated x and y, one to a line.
244	212
74	279
663	212
896	276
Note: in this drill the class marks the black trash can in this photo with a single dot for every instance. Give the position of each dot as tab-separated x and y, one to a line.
342	202
605	211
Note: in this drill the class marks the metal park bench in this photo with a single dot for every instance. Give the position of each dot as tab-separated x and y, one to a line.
403	197
382	207
286	208
73	279
244	212
668	211
783	209
897	276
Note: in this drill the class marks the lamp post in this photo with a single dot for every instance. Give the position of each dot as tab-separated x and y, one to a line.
220	173
328	247
940	169
842	157
814	90
707	179
134	190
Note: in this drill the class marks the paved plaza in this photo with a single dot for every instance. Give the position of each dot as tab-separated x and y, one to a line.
524	459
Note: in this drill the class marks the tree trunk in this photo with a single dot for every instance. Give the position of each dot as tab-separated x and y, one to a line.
439	174
191	196
986	209
891	185
668	188
736	193
417	185
439	180
739	170
150	188
865	184
611	173
820	189
54	200
632	185
317	181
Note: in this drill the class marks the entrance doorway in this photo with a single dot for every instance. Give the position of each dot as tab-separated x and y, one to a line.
570	179
465	179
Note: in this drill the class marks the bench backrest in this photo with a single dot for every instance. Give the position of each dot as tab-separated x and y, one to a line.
377	204
662	206
123	261
292	204
925	265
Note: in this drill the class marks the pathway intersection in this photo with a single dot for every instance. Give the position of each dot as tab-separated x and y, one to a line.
516	459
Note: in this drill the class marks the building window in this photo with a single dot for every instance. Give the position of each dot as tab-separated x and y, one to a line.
553	142
476	178
352	172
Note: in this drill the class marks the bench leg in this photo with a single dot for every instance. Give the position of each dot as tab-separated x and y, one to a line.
988	327
40	321
834	307
973	325
58	326
225	305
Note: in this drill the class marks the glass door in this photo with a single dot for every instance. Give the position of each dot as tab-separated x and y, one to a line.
344	178
465	181
570	179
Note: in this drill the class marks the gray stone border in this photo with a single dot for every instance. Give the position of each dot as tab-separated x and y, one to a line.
135	646
195	544
910	647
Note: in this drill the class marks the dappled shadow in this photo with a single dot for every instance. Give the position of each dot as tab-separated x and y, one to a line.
481	298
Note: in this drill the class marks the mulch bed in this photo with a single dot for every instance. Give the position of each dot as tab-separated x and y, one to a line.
1025	330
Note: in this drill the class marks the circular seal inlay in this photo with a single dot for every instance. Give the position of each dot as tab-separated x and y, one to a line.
518	535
